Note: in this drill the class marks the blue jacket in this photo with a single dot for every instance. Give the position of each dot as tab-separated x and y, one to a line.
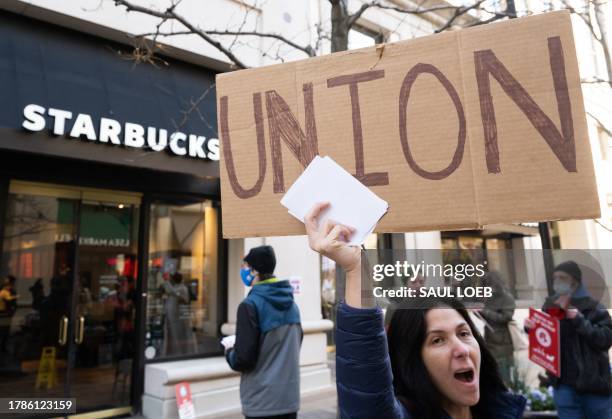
274	304
267	350
363	371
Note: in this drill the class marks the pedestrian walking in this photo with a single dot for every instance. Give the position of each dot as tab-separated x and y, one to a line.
267	342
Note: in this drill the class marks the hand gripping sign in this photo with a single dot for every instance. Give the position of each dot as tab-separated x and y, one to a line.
544	342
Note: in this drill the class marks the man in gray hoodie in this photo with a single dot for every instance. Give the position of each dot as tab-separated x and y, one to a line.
268	340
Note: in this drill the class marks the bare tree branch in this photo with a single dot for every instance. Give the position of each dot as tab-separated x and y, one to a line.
241	27
171	14
308	50
160	33
602	225
496	16
600	124
459	12
194	107
355	16
341	23
599	37
595	80
418	10
586	18
321	35
600	18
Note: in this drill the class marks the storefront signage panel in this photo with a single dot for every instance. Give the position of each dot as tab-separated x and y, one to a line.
139	116
113	132
457	130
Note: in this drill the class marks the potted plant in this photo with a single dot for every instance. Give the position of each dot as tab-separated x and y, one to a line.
540	402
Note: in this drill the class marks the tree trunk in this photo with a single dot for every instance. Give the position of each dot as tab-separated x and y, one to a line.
340	30
600	16
510	9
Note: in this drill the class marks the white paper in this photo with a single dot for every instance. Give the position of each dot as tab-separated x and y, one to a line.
228	342
352	203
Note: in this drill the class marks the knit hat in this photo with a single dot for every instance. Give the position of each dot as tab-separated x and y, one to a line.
262	259
571	268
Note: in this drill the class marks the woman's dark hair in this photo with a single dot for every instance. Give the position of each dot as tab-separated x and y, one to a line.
411	381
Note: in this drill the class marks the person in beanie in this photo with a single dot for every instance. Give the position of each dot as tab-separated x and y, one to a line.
268	340
584	389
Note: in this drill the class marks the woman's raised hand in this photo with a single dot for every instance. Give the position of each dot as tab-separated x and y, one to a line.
331	239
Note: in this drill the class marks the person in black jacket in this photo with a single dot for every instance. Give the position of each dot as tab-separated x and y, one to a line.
497	313
267	342
584	388
432	365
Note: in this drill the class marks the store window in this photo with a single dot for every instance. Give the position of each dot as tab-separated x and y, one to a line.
182	308
67	309
494	252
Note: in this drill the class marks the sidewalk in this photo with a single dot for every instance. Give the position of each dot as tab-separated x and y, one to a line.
319	405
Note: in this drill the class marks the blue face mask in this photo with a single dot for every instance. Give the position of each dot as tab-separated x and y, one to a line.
562	287
247	276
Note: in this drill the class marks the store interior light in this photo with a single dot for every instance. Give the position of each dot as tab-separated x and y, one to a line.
120	206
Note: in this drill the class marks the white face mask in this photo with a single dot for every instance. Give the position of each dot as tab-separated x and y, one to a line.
562	287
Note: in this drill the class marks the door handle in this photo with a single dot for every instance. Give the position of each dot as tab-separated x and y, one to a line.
63	331
80	327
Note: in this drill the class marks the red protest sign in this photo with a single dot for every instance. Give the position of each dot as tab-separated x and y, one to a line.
544	342
183	401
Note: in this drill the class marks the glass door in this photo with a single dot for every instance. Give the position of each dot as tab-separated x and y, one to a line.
67	297
37	270
105	301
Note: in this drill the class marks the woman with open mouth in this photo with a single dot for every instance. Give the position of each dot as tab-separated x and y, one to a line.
433	364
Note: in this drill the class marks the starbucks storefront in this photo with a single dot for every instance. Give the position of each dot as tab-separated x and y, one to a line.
109	216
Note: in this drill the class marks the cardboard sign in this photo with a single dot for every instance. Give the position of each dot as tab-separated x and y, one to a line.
457	130
183	401
545	341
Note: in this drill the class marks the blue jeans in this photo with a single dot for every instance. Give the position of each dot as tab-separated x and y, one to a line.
572	405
